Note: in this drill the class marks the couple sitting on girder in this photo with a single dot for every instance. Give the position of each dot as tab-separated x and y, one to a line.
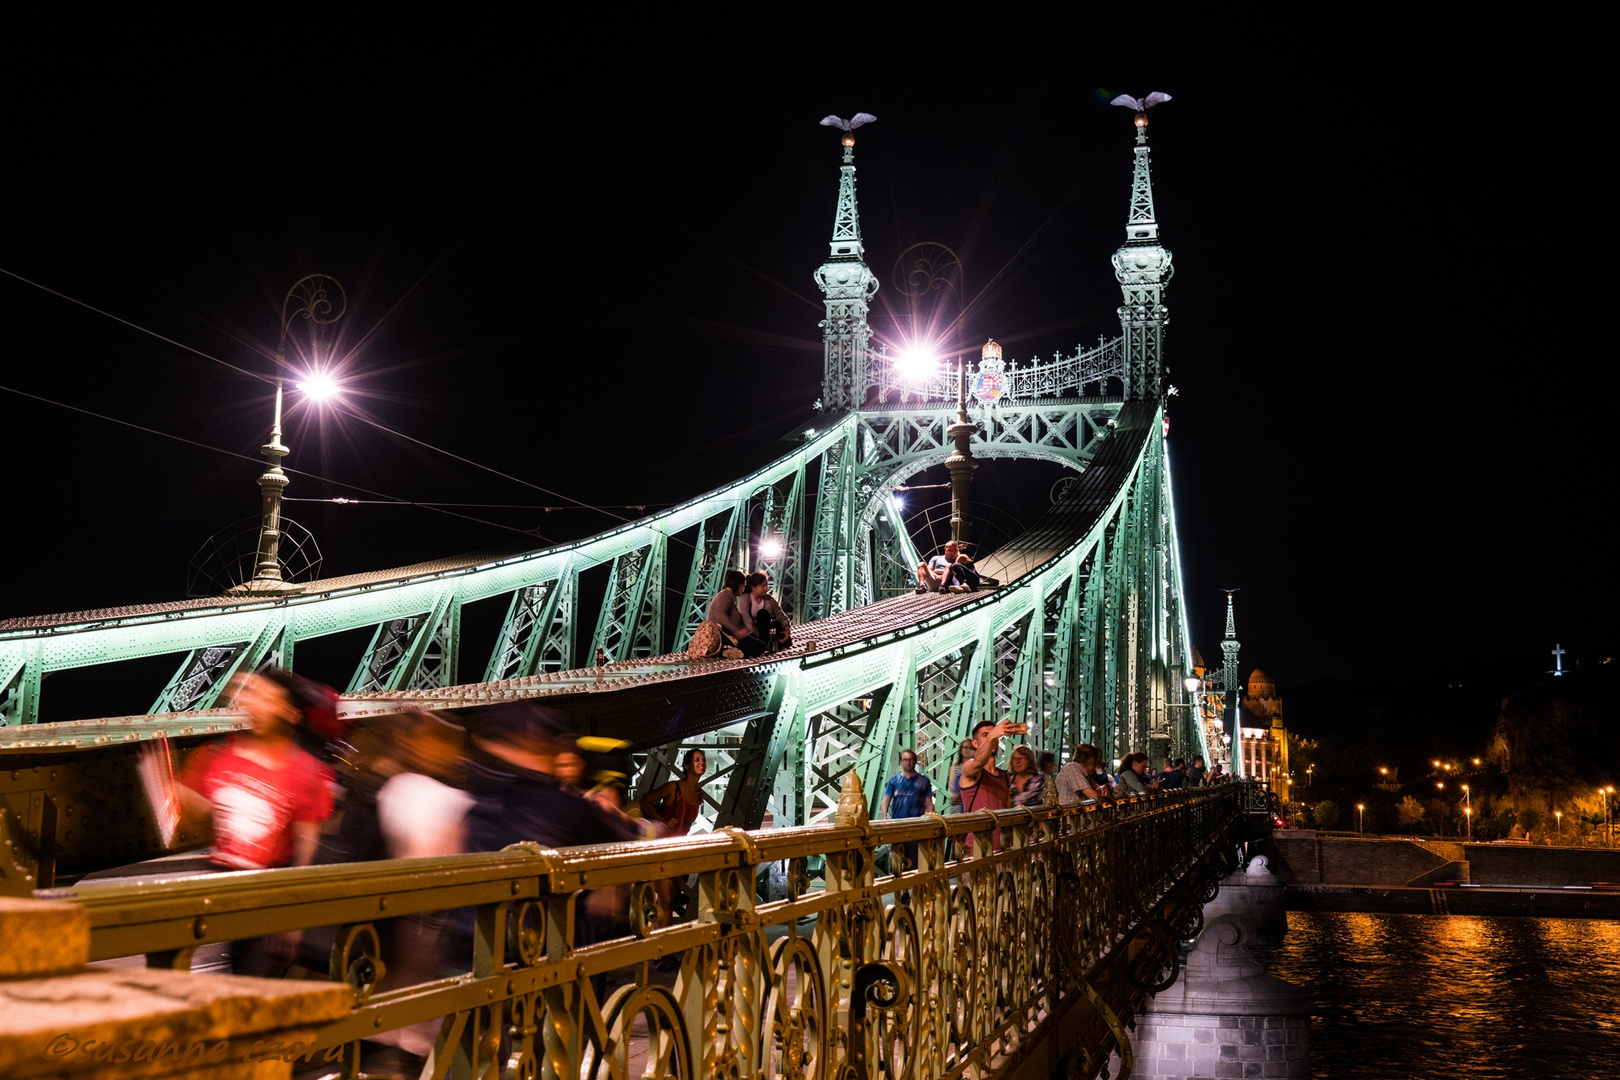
744	619
950	572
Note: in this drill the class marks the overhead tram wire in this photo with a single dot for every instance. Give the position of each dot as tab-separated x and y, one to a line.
133	326
341	501
435	507
267	379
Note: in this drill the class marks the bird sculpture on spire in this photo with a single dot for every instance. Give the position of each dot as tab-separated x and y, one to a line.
863	118
1141	105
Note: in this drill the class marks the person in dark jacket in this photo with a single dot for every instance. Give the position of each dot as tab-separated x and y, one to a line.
517	794
517	797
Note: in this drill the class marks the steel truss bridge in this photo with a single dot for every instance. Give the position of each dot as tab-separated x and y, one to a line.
1086	638
854	949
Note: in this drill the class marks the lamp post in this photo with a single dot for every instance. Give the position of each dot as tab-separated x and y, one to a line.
1468	816
1360	807
320	299
1559	814
1608	820
961	463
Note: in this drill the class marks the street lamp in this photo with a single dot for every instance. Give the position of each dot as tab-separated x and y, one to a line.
1559	814
1309	769
320	299
1468	815
1359	808
1607	791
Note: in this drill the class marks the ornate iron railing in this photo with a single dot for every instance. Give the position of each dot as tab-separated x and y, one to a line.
1085	372
964	962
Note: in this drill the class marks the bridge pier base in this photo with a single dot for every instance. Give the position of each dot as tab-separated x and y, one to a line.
1253	897
1226	1017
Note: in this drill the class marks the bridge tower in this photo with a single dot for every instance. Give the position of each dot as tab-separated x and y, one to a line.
1142	267
849	285
1229	678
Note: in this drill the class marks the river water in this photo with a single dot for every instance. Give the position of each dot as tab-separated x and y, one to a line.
1456	997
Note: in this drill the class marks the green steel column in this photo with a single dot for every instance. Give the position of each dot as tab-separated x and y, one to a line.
20	675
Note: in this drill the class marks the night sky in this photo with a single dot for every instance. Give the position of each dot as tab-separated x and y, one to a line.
585	260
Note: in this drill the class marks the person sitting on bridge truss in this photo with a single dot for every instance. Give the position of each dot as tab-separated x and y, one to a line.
738	627
950	572
771	623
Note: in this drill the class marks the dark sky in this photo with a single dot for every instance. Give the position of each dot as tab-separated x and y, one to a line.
582	256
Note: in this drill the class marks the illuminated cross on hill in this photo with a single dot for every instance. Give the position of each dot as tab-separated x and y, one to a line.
1558	658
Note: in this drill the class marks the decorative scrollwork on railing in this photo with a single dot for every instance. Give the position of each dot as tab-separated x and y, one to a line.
955	963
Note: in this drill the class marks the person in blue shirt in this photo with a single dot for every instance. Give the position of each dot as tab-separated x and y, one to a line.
908	792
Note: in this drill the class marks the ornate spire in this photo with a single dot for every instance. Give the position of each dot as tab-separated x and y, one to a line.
1142	267
1229	678
848	285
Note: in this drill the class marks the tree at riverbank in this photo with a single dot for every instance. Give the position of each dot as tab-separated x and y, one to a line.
1499	752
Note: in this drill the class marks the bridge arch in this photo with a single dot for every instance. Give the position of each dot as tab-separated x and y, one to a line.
896	471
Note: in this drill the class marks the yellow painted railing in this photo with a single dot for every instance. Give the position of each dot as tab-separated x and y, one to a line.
972	961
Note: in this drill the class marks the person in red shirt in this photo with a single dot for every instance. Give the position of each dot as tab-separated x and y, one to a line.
267	797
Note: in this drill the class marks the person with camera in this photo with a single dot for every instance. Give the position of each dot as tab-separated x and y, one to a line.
984	786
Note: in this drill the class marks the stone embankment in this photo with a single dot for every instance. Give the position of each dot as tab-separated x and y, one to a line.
1426	876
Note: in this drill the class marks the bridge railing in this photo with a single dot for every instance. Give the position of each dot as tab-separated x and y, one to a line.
899	949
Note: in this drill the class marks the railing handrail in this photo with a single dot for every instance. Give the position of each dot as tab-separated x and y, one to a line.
1080	903
168	909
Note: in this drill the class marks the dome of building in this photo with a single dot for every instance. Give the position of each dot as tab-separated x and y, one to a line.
1198	659
1260	687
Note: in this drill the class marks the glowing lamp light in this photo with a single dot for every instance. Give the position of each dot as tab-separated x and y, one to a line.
1191	683
770	547
918	361
319	387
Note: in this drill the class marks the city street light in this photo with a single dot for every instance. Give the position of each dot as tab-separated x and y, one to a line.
321	300
1359	808
1559	814
1468	815
1606	791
